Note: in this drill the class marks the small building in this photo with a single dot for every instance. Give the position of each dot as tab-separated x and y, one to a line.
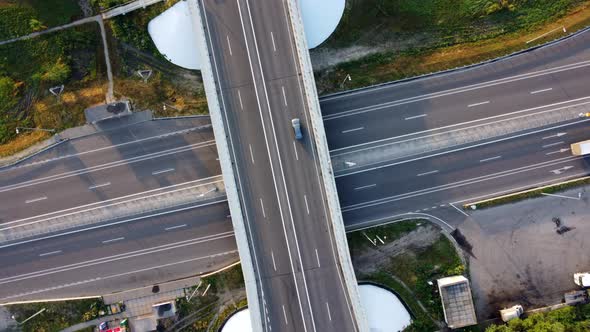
457	302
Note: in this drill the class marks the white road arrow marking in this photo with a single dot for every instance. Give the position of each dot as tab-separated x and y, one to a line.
561	170
558	151
553	136
350	163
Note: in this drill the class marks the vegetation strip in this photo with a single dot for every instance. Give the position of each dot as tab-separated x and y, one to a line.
529	193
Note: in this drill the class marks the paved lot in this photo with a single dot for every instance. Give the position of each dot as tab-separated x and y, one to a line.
518	257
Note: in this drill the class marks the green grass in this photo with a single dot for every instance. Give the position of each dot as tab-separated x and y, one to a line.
27	68
414	268
16	16
427	36
57	316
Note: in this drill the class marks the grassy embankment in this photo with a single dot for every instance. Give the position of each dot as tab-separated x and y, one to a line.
434	35
412	268
180	89
28	68
57	315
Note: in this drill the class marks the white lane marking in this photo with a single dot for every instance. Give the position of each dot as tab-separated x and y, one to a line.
558	151
479	104
113	240
106	277
460	211
555	135
561	170
306	205
316	164
50	253
366	187
317	257
351	130
262	206
251	153
174	227
118	200
458	184
295	149
274	264
490	159
329	314
285	315
240	99
541	91
284	95
272	37
428	173
466	88
561	196
118	257
553	144
229	46
416	117
281	172
501	117
35	200
99	185
458	149
163	171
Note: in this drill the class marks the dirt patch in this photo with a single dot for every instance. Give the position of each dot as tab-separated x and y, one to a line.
373	258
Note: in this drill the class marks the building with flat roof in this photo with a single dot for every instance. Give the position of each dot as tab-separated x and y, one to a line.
457	302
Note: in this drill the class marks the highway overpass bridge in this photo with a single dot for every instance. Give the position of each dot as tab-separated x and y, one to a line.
482	131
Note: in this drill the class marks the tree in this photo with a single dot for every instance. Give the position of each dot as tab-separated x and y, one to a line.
56	73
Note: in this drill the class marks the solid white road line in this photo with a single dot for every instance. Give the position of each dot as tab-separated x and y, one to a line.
466	88
284	95
460	211
174	227
251	153
272	37
416	117
113	240
490	159
285	315
50	253
229	46
163	171
461	148
366	187
541	91
262	207
500	117
329	314
240	100
561	196
553	144
99	185
295	149
479	104
351	130
428	173
35	200
274	264
317	257
306	205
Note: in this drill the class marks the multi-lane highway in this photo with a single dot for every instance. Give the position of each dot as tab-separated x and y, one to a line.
46	254
299	279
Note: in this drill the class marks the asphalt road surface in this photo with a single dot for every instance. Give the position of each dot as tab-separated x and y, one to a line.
296	265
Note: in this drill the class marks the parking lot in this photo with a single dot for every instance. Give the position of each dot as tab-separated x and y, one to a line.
518	255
